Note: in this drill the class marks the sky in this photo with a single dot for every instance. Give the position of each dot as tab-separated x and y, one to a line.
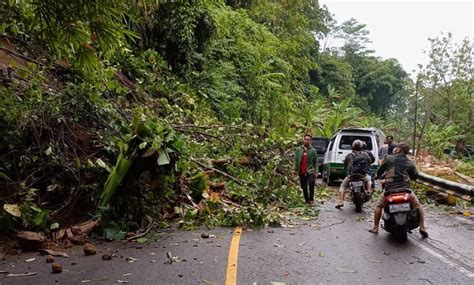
400	28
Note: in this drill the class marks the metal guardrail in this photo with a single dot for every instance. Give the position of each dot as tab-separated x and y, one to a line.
463	191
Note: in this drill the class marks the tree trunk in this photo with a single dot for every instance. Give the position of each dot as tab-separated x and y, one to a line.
429	104
417	86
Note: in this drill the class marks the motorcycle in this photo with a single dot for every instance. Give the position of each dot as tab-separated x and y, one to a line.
399	214
358	191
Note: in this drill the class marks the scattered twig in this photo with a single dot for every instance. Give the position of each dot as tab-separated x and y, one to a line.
334	224
20	274
210	127
15	53
142	234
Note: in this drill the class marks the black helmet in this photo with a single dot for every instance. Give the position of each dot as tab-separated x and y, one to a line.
364	145
357	145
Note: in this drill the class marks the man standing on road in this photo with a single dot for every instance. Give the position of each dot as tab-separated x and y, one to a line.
398	171
306	164
386	149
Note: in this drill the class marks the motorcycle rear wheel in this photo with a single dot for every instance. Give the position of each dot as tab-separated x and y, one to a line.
401	235
358	203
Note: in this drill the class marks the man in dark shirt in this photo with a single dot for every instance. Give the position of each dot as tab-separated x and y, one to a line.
372	160
357	146
398	171
306	164
390	144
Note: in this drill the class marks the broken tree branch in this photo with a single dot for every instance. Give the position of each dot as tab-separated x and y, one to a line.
17	54
142	234
220	172
204	134
210	127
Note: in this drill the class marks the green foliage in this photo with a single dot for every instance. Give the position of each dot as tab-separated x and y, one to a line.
79	31
440	137
155	88
197	186
335	73
112	231
151	137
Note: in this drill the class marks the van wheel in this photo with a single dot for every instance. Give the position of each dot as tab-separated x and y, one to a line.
327	179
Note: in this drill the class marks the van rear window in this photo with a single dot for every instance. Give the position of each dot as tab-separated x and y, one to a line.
346	141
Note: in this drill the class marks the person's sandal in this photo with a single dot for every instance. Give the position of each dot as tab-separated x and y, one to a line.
424	234
339	206
374	231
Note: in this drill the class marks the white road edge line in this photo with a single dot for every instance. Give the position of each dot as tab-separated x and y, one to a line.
445	260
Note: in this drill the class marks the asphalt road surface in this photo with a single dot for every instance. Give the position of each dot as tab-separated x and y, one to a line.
333	249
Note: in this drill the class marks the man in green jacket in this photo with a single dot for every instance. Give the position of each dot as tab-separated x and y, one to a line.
306	164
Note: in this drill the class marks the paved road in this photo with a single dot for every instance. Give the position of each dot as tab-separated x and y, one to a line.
336	248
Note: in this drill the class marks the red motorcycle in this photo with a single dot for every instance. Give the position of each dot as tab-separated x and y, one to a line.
399	214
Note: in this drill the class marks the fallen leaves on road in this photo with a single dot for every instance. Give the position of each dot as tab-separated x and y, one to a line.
315	226
131	259
30	240
122	281
30	259
278	245
76	233
359	219
172	258
53	252
322	254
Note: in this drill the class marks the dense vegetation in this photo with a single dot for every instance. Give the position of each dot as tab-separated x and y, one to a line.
119	108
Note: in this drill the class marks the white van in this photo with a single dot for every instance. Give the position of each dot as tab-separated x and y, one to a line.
341	145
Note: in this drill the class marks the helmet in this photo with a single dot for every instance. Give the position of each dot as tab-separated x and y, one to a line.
357	145
364	145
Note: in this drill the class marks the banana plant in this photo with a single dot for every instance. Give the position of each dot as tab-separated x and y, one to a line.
151	137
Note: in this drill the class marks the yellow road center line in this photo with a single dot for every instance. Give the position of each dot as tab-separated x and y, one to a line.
231	276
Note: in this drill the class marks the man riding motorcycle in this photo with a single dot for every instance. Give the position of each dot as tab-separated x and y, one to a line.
398	171
372	160
355	162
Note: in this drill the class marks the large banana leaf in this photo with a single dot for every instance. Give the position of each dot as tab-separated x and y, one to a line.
114	179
